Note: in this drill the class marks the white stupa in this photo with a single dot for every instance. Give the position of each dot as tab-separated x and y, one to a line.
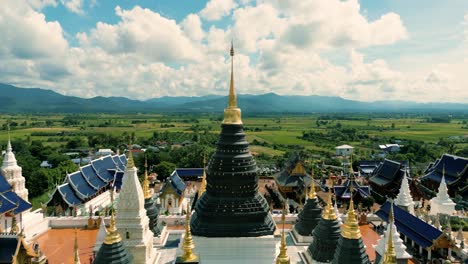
132	222
14	173
442	204
400	248
404	199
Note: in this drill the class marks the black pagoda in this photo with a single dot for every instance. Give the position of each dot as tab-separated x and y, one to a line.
231	206
309	217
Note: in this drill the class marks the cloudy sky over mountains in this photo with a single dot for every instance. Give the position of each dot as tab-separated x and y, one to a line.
365	50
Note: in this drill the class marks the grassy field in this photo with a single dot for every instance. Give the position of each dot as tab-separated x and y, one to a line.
270	130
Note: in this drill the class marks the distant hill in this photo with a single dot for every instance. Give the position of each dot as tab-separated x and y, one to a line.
36	100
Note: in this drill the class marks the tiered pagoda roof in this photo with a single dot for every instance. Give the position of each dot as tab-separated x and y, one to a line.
325	234
112	249
9	200
344	191
90	181
176	183
387	177
294	173
309	217
232	205
456	174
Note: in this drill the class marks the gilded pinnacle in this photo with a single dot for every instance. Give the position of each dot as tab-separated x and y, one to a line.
351	226
188	245
329	211
283	257
112	235
146	188
232	114
312	193
130	162
390	254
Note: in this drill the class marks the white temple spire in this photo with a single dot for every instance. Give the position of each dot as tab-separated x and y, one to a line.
400	248
442	203
12	172
404	198
131	219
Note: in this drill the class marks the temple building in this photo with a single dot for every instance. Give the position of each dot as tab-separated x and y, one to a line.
189	174
13	173
399	247
386	178
351	248
442	204
293	180
12	207
456	175
15	249
132	222
325	235
404	199
232	222
343	192
308	218
172	195
112	249
423	236
88	186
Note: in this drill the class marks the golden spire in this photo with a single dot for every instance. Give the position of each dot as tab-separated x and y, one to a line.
113	235
77	254
312	193
390	254
329	211
188	245
232	114
203	183
283	257
146	188
351	226
130	162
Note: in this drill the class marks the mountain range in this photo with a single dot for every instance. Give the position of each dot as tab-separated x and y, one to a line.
36	100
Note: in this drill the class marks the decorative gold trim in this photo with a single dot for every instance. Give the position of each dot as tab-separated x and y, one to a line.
312	193
232	114
350	228
113	235
390	254
283	257
188	245
329	212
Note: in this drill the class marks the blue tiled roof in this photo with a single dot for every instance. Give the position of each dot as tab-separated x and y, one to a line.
80	185
454	167
409	225
123	159
103	167
5	204
118	180
90	180
96	181
4	185
69	195
189	172
118	162
177	183
343	191
10	200
387	172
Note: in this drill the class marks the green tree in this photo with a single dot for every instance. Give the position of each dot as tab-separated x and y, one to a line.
164	169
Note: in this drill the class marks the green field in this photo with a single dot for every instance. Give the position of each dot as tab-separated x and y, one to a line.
282	131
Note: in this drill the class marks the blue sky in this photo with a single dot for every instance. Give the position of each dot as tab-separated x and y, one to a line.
365	50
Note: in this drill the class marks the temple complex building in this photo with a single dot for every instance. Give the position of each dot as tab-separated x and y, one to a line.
456	175
386	178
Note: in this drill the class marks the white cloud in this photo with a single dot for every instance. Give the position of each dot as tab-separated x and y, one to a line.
282	46
39	4
74	6
216	9
192	26
145	33
465	24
